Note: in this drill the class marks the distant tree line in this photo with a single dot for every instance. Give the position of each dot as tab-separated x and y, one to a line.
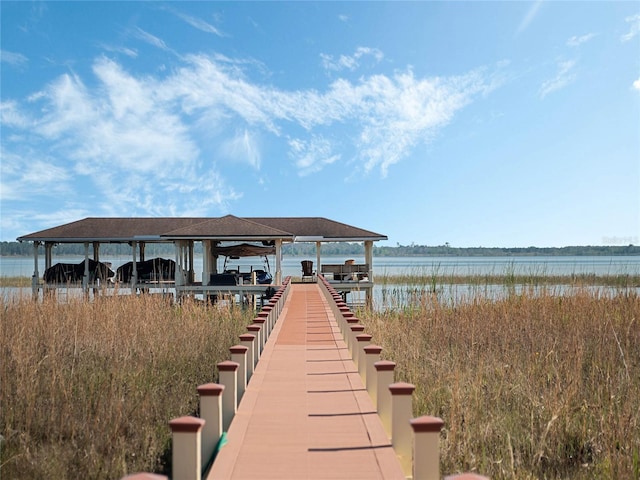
343	248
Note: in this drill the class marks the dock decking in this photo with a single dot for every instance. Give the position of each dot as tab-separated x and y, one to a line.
306	413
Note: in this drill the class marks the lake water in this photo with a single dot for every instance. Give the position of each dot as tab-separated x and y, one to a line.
538	265
392	296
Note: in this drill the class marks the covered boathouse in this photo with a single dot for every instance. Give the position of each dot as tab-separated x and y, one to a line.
227	235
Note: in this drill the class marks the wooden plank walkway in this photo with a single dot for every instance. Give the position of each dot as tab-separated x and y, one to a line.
306	413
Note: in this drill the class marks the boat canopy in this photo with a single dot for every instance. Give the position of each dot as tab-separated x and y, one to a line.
244	250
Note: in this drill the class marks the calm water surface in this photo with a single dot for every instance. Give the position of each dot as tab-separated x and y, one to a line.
539	265
391	296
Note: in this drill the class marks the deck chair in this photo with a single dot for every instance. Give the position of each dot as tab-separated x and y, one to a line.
307	271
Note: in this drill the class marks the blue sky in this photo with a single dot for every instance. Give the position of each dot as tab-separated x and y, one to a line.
473	123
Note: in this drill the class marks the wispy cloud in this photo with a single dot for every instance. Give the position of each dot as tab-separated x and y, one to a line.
634	27
12	116
129	52
136	141
564	76
576	41
150	39
12	58
636	85
197	23
312	155
350	62
529	16
242	147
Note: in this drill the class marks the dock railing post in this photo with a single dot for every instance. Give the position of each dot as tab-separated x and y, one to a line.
229	378
248	340
466	476
426	447
372	354
401	434
264	333
239	355
352	342
385	371
211	412
256	330
362	340
144	476
186	450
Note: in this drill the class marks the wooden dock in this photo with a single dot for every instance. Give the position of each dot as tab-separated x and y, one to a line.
305	413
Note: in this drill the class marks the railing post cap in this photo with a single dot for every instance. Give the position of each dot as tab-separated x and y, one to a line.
247	337
466	476
210	390
357	328
228	366
239	349
373	349
186	424
254	328
426	423
259	320
384	365
401	388
144	476
364	337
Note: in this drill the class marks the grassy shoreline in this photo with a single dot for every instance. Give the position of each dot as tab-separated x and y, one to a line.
529	386
88	388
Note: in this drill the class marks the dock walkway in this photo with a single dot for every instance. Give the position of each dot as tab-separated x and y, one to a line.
306	413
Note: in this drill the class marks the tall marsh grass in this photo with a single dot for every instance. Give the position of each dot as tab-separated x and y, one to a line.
87	388
530	385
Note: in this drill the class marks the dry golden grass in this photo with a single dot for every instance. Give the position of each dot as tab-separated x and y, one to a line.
530	386
87	388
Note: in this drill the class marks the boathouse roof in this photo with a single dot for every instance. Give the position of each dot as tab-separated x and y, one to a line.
226	228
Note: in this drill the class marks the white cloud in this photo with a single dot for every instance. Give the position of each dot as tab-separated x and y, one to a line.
11	116
576	41
25	175
199	24
242	147
312	155
141	144
350	62
634	27
12	58
529	16
129	52
150	39
564	77
636	85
